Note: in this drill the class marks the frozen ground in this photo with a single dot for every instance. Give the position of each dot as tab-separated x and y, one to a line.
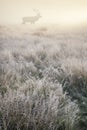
33	65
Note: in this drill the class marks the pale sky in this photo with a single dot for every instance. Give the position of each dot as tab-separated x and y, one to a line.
52	11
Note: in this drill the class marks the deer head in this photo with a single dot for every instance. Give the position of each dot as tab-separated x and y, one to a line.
37	12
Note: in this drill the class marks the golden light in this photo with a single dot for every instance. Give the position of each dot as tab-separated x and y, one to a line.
64	12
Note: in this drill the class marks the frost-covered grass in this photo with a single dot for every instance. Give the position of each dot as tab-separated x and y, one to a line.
34	65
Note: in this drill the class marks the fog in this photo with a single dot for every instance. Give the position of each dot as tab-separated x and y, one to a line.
52	11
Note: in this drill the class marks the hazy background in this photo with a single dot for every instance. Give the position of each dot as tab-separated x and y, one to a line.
52	11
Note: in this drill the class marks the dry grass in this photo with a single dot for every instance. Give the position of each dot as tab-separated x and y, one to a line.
32	69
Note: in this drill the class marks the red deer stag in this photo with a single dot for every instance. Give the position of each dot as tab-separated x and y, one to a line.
31	19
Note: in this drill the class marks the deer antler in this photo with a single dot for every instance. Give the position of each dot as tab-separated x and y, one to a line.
36	10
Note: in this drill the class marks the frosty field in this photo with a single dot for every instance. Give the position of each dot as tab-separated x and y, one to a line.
43	78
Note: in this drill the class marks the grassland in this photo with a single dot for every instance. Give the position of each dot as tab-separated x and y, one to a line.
42	72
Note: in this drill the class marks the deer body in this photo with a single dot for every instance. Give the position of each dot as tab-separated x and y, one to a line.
31	19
